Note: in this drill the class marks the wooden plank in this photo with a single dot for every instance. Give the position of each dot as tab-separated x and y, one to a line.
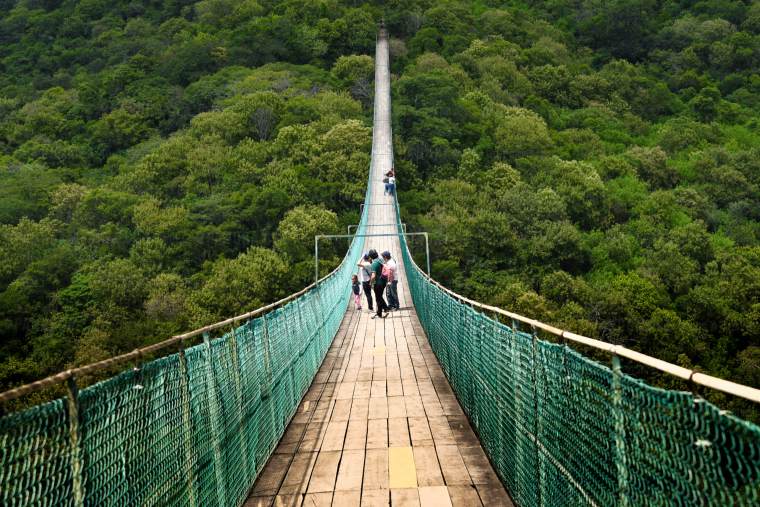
356	434
276	501
312	439
259	501
395	387
378	389
432	406
442	434
396	407
378	408
359	408
478	466
325	471
464	496
334	435
462	431
317	500
328	391
414	406
409	385
351	471
347	499
401	470
419	430
426	388
291	439
297	479
398	432
405	497
452	465
375	497
271	476
362	389
493	495
377	433
434	496
375	470
428	468
341	410
345	391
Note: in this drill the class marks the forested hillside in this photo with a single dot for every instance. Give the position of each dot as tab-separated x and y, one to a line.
595	165
592	164
167	164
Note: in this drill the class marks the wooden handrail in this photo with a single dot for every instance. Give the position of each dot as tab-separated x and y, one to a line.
726	386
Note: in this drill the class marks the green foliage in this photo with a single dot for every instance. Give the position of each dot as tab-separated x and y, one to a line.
600	173
153	156
594	164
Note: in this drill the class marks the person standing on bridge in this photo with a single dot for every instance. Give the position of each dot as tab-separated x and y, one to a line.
364	277
391	185
355	288
378	284
390	270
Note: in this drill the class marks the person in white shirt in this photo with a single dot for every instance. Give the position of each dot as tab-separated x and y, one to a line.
364	277
392	288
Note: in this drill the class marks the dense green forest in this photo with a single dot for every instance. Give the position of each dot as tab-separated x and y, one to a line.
592	164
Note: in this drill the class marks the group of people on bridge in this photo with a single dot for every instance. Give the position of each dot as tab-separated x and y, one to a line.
377	274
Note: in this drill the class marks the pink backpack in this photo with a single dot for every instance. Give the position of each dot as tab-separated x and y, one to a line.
387	273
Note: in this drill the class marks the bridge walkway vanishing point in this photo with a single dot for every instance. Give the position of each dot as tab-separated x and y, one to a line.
380	423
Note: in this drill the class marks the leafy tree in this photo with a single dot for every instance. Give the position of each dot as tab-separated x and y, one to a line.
241	284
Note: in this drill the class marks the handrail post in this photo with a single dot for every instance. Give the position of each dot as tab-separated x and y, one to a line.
213	402
619	416
534	343
427	252
187	422
268	371
75	441
239	398
316	259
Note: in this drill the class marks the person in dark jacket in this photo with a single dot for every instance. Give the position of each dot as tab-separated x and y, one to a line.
378	284
364	277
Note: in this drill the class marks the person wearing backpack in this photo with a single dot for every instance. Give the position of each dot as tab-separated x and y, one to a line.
378	284
364	278
390	269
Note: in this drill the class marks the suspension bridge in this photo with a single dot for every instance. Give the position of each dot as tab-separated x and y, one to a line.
309	402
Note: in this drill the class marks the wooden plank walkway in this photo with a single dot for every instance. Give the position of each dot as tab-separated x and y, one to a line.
380	424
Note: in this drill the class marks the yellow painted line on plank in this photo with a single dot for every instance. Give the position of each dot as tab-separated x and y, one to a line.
379	351
306	406
401	470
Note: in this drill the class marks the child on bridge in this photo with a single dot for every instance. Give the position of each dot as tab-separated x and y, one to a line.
355	287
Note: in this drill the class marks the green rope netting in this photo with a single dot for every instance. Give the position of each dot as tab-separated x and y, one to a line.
563	430
193	428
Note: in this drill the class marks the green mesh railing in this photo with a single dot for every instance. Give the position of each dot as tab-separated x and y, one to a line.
563	430
193	428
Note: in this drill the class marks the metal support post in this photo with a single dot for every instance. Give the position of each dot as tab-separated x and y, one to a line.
316	259
237	372
355	226
75	440
338	236
214	412
619	417
187	424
